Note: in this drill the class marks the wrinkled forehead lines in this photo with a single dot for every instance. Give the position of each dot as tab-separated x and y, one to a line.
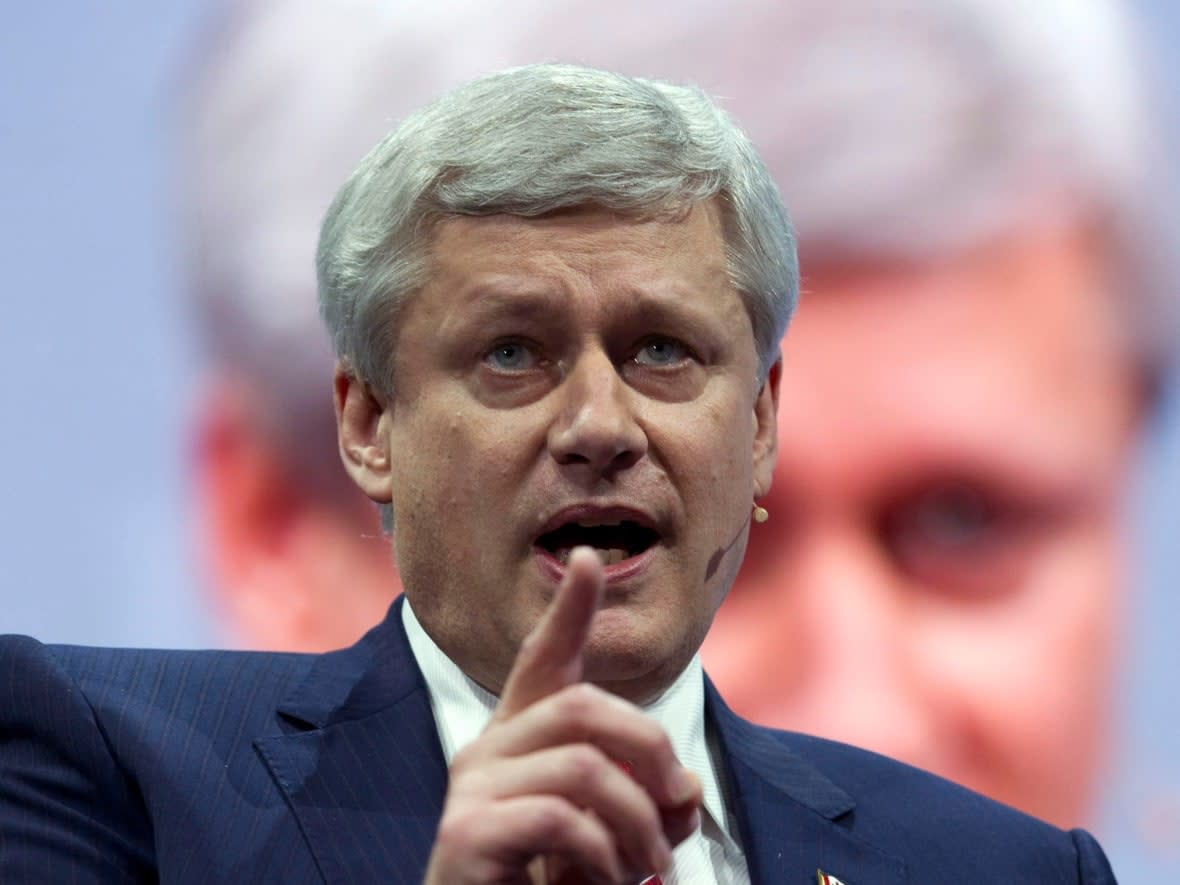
488	262
580	238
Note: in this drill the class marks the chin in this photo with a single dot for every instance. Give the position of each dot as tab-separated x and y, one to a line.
619	646
622	652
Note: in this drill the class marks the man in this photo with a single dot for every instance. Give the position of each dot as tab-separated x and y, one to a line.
942	577
556	297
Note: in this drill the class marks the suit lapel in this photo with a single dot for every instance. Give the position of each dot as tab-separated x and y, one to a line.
358	758
360	762
793	820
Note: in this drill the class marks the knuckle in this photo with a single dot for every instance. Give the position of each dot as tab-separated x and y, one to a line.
652	739
584	763
578	703
473	783
454	829
466	758
552	820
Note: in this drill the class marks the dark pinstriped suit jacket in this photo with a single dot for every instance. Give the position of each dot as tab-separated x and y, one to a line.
182	767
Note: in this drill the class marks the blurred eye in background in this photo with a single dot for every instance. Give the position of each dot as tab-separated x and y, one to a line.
966	537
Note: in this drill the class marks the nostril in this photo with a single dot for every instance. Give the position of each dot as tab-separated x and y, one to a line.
604	461
597	427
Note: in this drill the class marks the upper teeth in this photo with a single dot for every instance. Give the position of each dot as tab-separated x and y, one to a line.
589	523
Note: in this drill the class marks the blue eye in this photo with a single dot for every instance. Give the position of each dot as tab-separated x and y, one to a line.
661	352
511	356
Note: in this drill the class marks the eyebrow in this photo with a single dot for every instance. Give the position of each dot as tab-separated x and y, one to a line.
512	301
524	298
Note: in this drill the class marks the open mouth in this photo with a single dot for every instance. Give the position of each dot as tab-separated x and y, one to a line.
613	541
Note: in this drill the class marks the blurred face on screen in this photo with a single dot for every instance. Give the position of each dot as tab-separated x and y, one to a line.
939	577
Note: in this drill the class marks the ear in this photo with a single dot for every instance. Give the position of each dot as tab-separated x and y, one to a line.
766	429
362	421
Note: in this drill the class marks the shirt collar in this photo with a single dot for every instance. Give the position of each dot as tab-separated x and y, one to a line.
462	709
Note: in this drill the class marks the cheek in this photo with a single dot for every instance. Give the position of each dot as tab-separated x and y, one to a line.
715	479
1026	681
1051	639
456	476
715	446
450	460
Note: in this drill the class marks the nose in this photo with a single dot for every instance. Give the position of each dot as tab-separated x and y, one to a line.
596	424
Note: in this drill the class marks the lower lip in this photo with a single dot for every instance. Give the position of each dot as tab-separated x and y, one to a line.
553	568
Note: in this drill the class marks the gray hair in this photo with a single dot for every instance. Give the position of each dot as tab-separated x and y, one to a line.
973	108
534	140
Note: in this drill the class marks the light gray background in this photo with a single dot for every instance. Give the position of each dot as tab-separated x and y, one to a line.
96	375
95	367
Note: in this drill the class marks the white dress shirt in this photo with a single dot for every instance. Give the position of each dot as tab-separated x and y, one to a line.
710	855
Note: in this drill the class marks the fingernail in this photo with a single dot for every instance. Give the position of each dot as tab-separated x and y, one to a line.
683	785
582	551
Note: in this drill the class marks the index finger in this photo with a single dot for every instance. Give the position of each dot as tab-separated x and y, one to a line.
550	658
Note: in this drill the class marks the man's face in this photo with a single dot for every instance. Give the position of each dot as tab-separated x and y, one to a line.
939	576
575	379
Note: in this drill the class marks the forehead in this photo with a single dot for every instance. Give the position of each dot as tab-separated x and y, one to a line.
571	274
1009	355
588	242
